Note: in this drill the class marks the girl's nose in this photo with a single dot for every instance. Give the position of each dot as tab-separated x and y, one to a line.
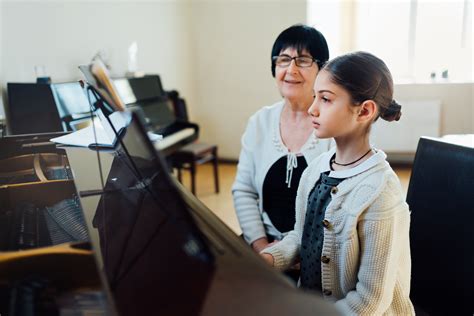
313	109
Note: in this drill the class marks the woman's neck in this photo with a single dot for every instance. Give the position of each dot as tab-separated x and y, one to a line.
298	106
295	128
295	113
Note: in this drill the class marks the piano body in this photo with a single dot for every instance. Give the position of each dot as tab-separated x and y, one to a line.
151	246
164	252
47	266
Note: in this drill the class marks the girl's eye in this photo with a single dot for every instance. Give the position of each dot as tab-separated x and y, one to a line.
325	100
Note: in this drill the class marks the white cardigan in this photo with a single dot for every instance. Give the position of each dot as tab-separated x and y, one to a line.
261	148
367	241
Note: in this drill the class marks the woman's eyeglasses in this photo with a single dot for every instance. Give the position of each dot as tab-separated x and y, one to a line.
300	61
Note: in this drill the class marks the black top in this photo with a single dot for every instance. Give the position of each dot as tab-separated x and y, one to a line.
313	232
278	198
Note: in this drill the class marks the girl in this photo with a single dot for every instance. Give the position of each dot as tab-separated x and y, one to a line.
352	224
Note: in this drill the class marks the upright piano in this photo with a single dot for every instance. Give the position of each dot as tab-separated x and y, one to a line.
146	94
38	108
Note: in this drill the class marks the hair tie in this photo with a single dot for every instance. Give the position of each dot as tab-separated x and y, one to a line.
393	112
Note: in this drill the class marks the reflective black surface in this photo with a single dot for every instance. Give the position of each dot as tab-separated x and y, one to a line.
148	241
46	263
440	196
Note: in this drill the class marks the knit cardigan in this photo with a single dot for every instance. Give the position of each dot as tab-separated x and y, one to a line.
366	244
261	148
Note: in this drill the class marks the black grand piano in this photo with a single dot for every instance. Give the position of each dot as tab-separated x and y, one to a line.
157	249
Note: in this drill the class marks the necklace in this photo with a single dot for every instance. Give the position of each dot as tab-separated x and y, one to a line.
333	159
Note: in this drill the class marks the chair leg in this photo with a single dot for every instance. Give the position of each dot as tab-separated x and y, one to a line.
179	175
193	177
216	174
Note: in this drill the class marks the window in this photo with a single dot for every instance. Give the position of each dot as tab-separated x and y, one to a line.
416	38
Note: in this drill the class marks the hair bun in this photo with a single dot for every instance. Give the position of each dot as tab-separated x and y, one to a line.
392	112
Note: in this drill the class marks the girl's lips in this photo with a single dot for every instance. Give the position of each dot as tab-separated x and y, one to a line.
315	124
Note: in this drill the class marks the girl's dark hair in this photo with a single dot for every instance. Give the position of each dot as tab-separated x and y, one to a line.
301	37
366	77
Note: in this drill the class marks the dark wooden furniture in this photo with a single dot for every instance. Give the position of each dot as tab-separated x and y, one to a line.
440	196
192	155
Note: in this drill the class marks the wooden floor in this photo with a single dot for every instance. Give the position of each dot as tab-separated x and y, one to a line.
221	204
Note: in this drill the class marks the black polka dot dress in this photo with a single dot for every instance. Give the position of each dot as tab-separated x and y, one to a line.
313	232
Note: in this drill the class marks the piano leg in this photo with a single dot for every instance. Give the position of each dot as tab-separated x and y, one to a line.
216	175
193	176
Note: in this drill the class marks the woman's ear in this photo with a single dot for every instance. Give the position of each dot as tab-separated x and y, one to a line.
367	111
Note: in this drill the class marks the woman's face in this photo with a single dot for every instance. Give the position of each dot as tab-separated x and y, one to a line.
332	112
295	83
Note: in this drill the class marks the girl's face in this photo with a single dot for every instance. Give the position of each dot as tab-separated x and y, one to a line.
295	83
332	111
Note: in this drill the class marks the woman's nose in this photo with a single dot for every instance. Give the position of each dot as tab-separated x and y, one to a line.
292	67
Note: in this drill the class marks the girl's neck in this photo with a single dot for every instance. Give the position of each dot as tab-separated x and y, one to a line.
350	150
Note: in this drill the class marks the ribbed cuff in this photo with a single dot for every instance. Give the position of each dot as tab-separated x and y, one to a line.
279	261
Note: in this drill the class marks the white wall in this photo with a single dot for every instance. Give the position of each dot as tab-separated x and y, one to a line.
64	34
232	42
215	52
457	103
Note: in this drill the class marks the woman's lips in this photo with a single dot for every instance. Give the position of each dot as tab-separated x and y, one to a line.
292	81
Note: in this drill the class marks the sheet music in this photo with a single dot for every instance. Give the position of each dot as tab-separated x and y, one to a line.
105	135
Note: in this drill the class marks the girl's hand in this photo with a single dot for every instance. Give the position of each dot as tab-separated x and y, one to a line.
268	258
272	243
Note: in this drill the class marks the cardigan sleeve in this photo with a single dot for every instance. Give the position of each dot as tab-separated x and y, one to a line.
244	190
384	242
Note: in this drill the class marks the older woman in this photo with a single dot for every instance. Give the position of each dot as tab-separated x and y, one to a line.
279	140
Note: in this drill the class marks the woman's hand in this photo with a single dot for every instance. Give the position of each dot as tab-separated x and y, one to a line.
268	258
260	244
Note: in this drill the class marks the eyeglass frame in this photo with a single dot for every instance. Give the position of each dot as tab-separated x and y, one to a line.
313	60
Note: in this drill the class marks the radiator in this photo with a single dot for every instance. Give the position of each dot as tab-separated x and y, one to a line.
419	118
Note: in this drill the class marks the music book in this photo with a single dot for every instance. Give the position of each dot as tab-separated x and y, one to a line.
100	135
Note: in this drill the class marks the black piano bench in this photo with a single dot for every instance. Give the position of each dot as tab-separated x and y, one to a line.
192	155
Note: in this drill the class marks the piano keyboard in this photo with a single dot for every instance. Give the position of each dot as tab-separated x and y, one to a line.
174	138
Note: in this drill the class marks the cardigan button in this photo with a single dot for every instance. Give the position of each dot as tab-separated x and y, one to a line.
326	223
327	292
325	259
334	190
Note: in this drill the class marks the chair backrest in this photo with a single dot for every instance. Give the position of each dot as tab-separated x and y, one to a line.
179	105
441	198
32	109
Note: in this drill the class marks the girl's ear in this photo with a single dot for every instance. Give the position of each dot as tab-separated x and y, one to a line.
367	111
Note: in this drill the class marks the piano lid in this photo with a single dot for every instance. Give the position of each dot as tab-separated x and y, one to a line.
147	241
161	247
